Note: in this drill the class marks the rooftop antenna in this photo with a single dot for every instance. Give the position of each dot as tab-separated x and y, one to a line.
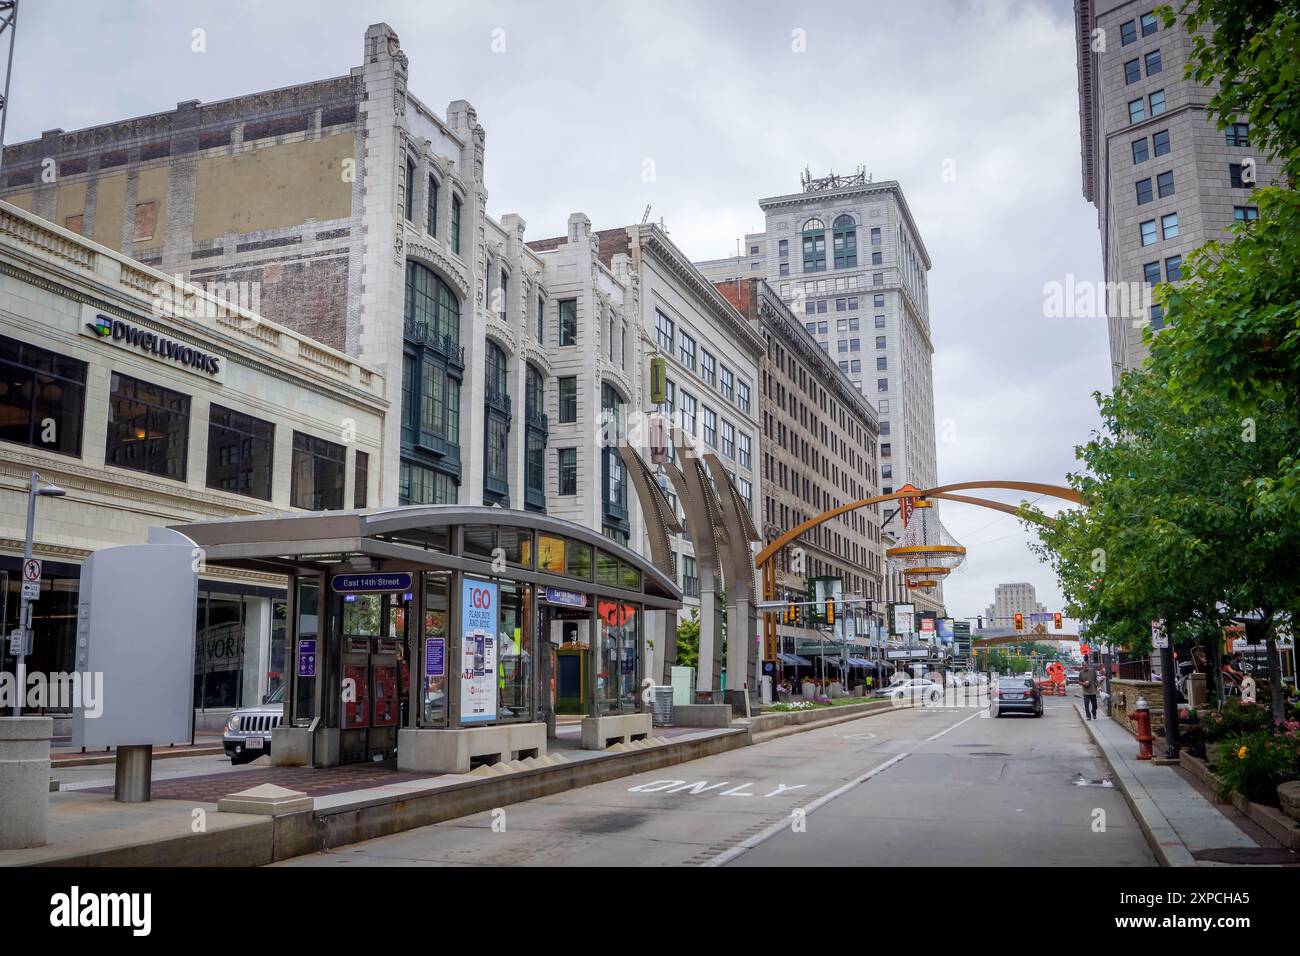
9	23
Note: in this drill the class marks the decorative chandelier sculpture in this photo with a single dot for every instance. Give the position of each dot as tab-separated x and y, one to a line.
925	553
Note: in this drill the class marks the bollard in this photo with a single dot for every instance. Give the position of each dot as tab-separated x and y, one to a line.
1142	714
24	780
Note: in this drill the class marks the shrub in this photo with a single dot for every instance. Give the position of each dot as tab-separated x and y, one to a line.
1254	764
1236	719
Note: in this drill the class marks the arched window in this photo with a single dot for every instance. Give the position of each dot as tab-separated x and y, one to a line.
845	239
496	369
496	429
814	246
432	309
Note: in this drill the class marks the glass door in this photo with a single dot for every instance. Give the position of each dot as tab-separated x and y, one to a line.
435	651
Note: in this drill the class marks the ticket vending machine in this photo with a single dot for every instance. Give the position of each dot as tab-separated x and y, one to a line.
385	699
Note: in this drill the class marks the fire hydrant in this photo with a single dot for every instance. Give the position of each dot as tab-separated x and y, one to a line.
1142	714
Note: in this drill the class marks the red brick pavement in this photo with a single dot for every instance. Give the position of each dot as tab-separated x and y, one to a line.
209	788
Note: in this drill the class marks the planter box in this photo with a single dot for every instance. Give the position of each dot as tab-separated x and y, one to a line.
1279	826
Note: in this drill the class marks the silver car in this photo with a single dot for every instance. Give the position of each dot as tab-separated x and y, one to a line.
248	731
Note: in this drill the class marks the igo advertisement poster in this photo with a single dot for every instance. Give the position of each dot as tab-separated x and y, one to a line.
478	661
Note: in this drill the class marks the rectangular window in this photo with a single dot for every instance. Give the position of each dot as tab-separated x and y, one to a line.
814	252
880	341
875	235
1151	272
842	345
884	428
785	269
742	396
431	210
686	350
409	198
708	366
882	363
1132	71
882	384
317	473
1237	134
1140	151
1149	24
1136	111
855	365
568	321
810	326
879	300
1148	232
568	399
42	397
688	412
1160	142
1234	177
745	453
710	427
728	439
1174	268
1157	317
1153	63
148	428
664	332
1169	226
505	295
1165	184
1128	32
1245	213
541	319
361	480
783	248
241	450
1143	191
1157	100
880	322
455	224
726	383
822	328
877	258
568	470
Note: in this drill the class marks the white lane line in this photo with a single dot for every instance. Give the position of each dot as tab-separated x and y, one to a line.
726	856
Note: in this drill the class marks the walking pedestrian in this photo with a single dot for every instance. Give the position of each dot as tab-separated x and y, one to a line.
1088	684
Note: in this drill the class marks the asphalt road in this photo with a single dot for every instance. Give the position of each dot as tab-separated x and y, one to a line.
941	786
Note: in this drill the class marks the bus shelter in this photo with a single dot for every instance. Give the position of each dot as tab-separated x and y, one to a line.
448	635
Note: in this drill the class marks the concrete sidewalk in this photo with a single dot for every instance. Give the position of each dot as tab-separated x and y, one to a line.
1177	820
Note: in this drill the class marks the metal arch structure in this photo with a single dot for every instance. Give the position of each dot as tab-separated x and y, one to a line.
765	556
1022	638
738	573
708	532
660	521
8	24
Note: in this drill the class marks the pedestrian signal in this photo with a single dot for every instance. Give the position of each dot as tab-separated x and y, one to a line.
1020	621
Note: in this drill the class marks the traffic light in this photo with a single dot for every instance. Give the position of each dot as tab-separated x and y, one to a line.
1056	620
1020	621
792	613
830	612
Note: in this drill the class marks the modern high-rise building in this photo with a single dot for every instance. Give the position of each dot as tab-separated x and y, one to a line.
1008	599
1164	178
846	256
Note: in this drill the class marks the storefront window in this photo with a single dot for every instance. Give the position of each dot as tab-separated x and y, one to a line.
514	654
435	650
54	619
550	554
42	397
279	628
616	680
148	428
218	651
489	543
577	560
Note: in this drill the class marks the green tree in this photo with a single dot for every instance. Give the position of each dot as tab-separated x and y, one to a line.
688	640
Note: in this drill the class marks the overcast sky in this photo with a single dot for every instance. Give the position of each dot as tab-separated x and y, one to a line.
717	96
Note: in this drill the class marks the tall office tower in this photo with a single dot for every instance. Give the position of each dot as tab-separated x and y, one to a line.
846	256
1164	178
1007	600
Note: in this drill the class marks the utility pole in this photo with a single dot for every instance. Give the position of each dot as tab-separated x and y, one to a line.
24	631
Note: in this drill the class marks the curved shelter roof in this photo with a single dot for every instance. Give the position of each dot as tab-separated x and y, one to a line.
429	537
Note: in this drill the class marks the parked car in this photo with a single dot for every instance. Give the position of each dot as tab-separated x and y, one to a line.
1072	675
248	731
1016	695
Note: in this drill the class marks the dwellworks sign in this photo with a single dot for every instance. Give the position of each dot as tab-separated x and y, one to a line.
130	336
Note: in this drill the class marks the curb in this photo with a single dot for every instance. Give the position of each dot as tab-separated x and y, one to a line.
797	728
1164	841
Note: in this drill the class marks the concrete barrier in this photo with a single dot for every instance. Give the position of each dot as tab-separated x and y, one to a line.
701	715
24	781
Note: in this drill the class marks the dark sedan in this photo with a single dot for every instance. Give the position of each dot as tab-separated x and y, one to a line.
1016	695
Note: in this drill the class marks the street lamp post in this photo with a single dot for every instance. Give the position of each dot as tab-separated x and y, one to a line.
34	491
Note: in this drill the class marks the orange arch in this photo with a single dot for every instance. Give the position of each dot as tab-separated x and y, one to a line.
940	491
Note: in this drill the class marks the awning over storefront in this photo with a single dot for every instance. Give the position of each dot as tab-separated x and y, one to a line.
793	660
